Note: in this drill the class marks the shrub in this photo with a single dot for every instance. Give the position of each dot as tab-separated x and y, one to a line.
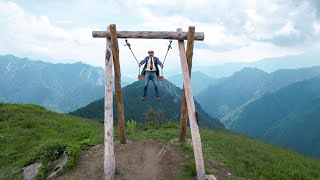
46	153
85	144
155	119
131	126
172	125
73	152
50	151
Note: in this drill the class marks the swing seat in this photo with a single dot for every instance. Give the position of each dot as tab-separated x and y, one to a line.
141	77
159	78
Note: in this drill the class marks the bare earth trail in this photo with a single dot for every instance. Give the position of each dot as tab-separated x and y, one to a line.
143	160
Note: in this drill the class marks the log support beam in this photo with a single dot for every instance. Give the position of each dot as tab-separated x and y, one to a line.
195	134
184	113
117	82
109	161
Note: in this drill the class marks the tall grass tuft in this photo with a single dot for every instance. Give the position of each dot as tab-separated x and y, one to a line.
131	126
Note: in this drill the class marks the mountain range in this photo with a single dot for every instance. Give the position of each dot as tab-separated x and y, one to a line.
289	117
280	108
169	105
58	87
199	81
222	98
269	65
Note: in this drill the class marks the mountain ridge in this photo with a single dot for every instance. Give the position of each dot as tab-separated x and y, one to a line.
246	84
59	87
199	81
170	97
269	65
279	117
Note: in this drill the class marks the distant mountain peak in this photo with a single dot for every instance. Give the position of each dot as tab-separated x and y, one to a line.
10	56
247	72
80	62
134	108
252	69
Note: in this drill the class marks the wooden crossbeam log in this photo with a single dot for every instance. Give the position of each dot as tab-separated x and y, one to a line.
198	36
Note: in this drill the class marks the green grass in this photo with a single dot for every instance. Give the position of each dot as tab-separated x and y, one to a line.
252	159
29	133
245	158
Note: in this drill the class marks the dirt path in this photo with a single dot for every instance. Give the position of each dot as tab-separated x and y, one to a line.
145	160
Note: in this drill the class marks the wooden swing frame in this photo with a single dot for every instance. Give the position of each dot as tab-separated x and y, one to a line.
187	105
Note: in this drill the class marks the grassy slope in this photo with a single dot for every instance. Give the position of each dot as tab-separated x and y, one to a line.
252	159
24	127
244	157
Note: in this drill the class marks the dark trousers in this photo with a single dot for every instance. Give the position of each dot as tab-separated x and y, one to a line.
150	75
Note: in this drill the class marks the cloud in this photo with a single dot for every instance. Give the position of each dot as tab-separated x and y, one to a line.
236	23
37	37
316	26
315	7
234	30
288	24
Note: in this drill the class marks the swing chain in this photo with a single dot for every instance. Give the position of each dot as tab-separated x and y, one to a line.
129	46
169	47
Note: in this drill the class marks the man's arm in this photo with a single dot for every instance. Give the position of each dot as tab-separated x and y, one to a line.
159	62
143	61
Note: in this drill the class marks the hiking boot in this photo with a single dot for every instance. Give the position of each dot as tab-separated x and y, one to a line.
143	98
158	98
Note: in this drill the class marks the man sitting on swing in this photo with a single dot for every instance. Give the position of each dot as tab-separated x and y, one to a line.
150	72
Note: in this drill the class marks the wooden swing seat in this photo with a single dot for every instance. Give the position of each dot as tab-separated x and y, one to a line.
141	77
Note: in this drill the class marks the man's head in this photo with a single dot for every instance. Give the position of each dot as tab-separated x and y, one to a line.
150	52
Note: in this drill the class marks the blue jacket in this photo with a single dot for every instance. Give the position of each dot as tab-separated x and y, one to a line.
156	63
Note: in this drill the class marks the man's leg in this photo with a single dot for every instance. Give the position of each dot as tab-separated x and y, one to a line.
155	83
146	82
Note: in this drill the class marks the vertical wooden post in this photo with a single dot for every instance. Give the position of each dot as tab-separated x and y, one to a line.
183	118
195	134
109	161
184	113
117	81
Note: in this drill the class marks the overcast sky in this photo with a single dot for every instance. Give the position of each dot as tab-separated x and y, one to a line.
235	30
